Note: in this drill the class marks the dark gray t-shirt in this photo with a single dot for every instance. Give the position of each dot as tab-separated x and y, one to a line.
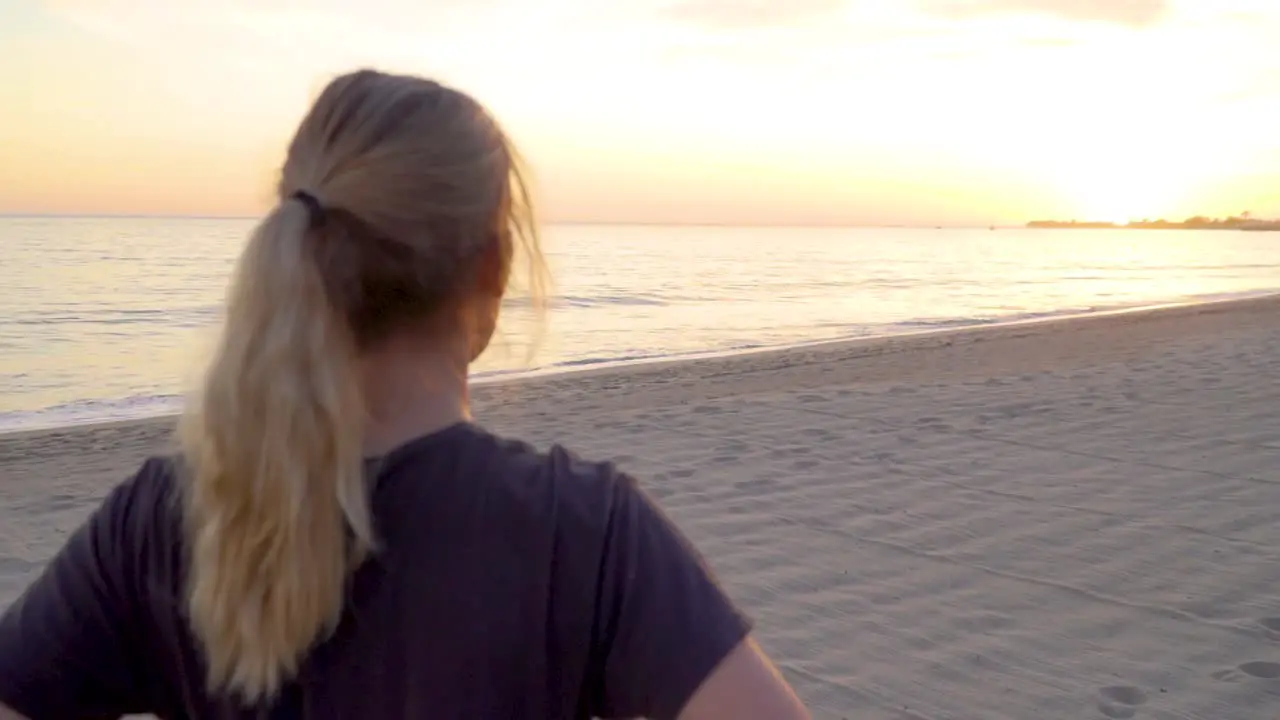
510	584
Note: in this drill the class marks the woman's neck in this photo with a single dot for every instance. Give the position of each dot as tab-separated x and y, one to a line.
411	390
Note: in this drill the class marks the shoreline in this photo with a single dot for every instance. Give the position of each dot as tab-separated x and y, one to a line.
779	358
639	363
961	326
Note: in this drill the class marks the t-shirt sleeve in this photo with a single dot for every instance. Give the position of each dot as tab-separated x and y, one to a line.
662	622
69	646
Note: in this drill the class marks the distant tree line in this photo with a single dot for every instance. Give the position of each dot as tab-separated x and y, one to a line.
1198	222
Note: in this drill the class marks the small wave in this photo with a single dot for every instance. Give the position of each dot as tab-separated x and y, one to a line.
1013	316
1234	295
591	301
976	321
180	317
605	300
82	412
604	361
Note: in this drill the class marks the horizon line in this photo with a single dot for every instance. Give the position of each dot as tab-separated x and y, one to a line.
561	223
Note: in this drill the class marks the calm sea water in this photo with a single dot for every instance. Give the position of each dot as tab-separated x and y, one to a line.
105	318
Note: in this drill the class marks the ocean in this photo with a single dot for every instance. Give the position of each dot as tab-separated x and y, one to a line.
106	318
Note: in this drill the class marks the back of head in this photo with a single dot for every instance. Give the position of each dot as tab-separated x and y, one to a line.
394	189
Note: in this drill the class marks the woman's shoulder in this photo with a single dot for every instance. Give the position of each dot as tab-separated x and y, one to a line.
549	482
574	483
144	513
154	489
506	462
562	471
142	494
462	486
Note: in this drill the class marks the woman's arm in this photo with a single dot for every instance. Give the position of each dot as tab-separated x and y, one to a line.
744	686
670	643
71	644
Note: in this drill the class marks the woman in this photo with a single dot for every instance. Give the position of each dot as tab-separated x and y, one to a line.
336	539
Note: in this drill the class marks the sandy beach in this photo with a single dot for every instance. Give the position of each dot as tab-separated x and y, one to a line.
1067	519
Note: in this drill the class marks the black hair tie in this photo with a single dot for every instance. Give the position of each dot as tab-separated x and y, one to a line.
315	211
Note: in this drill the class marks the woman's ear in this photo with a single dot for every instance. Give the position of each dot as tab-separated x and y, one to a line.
494	268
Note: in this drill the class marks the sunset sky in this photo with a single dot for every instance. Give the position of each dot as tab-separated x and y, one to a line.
716	111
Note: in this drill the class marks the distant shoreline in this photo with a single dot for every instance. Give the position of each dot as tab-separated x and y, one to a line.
1229	224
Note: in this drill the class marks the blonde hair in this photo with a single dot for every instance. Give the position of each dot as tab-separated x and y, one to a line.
414	182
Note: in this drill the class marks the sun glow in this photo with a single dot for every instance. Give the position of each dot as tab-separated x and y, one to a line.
1122	196
707	111
1123	184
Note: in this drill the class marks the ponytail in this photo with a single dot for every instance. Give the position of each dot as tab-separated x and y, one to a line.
275	506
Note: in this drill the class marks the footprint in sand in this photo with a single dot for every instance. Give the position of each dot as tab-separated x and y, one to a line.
1261	669
1120	701
934	424
1258	669
15	566
62	502
756	484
